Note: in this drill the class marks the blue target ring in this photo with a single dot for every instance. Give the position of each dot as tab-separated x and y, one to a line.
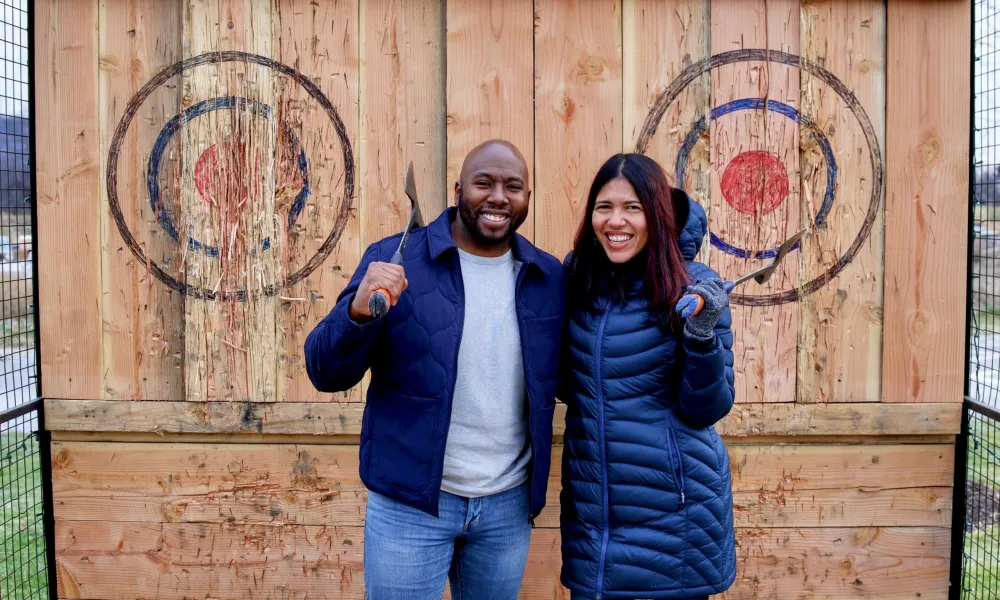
701	126
174	125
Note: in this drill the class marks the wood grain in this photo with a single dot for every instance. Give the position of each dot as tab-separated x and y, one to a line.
176	561
143	328
840	325
320	41
306	484
403	113
578	110
863	419
489	91
212	371
927	201
69	201
766	337
661	40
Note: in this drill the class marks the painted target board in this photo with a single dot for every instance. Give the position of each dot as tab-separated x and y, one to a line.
227	174
754	180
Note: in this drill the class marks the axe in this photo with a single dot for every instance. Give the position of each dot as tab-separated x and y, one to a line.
691	304
378	303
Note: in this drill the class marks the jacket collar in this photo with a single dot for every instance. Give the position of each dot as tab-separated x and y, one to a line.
439	240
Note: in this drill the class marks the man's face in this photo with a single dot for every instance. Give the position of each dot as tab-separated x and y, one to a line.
493	194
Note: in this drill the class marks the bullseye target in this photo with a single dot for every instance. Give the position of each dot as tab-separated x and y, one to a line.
227	171
754	182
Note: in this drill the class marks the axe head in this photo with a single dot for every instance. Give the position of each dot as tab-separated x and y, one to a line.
410	187
764	273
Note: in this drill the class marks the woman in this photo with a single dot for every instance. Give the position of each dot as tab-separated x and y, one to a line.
646	498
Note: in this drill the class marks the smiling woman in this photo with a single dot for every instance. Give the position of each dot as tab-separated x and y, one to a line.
656	424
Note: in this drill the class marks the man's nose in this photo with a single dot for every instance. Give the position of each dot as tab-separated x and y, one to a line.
497	193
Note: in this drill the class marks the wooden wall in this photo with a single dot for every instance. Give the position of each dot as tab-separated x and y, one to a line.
200	211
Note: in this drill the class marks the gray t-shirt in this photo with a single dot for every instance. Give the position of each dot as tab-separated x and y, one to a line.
488	447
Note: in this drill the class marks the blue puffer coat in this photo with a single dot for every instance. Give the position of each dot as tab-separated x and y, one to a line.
646	499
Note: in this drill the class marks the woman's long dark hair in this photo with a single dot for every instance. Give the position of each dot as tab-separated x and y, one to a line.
592	274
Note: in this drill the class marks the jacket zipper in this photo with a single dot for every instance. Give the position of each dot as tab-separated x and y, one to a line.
604	464
675	461
531	436
460	289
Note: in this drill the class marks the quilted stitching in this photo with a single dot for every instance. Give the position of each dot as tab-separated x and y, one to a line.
412	354
659	546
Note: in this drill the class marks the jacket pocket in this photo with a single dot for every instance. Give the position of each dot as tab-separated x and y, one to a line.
676	462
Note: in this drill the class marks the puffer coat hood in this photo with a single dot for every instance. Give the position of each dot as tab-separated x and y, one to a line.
646	500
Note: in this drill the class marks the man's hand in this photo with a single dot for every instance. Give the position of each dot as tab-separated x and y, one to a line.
386	276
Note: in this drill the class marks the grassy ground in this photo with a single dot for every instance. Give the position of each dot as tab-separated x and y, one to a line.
980	581
22	539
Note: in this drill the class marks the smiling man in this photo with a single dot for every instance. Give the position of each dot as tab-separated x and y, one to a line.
457	430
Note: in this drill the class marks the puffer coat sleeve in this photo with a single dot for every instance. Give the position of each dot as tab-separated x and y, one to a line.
706	390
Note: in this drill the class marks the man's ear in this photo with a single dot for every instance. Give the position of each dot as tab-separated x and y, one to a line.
458	190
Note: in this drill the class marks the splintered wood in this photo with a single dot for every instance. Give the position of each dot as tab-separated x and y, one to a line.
754	204
840	324
661	41
143	328
228	193
210	172
784	486
320	41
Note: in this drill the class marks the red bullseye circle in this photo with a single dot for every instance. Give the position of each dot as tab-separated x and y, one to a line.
755	182
231	180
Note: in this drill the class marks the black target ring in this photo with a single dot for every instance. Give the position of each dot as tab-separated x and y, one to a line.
874	152
215	58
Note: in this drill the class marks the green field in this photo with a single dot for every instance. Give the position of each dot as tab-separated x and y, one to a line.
22	539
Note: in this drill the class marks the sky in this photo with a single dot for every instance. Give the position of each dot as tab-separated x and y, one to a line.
986	83
14	57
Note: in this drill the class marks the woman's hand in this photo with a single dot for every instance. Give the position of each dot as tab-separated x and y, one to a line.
701	325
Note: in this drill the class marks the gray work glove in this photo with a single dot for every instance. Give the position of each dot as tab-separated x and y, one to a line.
701	326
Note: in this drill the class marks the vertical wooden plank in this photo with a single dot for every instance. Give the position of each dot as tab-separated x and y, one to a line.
69	204
402	115
755	185
143	329
490	84
206	374
927	166
260	218
661	40
578	107
840	324
321	42
228	189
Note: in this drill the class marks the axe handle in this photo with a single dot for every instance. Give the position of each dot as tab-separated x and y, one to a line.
691	304
378	302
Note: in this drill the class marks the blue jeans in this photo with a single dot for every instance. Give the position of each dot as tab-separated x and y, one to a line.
480	545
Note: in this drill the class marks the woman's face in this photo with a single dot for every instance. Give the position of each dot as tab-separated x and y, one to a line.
619	221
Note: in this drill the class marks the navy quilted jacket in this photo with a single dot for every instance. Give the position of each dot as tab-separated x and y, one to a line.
413	356
646	498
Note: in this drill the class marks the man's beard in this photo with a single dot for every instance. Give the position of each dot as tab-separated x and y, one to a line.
487	238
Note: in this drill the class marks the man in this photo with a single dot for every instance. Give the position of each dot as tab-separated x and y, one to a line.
457	431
